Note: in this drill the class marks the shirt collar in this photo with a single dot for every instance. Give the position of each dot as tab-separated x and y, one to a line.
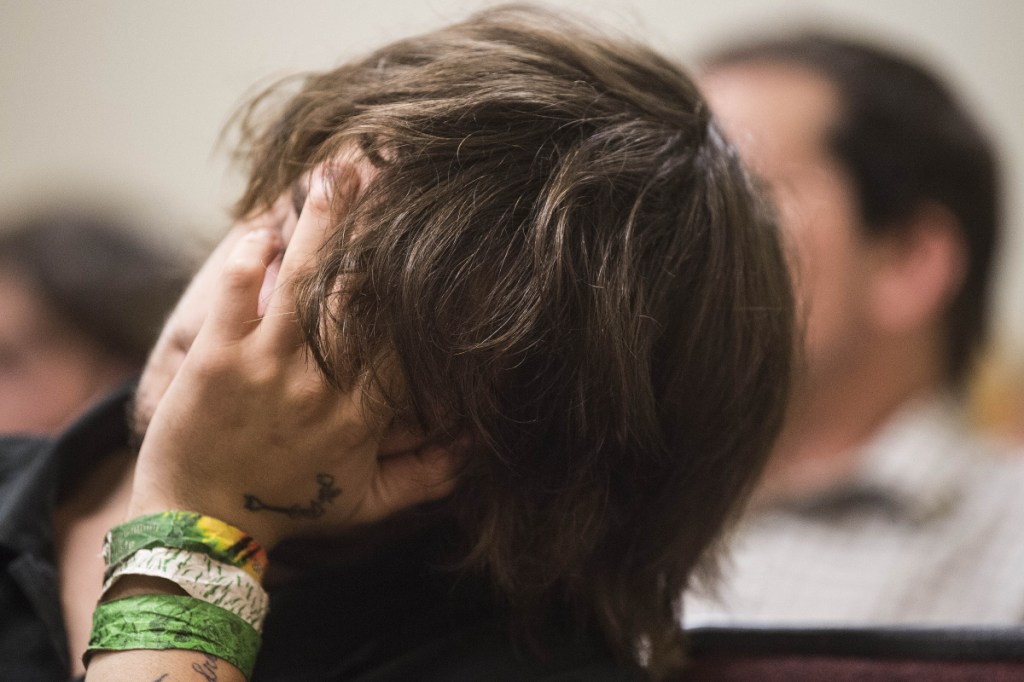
913	467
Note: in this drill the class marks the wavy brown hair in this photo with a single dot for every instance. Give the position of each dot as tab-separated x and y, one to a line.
561	255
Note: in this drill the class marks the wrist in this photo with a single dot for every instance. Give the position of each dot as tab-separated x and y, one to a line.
181	580
134	585
260	528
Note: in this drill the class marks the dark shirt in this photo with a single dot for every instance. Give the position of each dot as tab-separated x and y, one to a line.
34	474
401	615
398	615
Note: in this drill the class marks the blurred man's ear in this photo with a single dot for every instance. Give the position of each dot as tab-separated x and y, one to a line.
917	271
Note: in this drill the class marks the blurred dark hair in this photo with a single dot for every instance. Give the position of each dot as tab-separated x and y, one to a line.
906	140
560	254
98	277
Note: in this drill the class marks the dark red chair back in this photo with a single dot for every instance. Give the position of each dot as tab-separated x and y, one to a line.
890	654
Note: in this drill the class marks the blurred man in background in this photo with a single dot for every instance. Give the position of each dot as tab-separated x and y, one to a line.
878	505
81	302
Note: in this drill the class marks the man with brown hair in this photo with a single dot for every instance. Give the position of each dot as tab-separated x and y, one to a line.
878	505
507	280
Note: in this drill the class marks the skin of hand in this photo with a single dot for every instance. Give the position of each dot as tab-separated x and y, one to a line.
249	432
188	316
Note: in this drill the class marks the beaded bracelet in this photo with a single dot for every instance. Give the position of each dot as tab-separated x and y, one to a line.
202	577
165	621
184	530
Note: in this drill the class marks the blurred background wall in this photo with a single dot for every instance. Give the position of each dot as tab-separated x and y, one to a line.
119	103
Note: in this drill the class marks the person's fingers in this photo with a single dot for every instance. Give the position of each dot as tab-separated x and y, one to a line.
331	188
411	478
234	309
191	311
273	218
269	285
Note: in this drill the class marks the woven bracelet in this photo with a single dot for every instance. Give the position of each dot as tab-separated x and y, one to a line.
184	530
165	621
202	577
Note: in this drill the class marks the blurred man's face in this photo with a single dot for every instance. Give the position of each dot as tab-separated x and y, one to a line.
778	116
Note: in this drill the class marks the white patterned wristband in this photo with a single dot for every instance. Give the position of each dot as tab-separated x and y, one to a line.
202	577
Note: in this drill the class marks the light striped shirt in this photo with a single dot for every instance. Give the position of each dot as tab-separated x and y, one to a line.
930	531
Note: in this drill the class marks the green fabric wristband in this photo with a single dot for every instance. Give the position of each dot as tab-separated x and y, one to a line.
168	621
184	530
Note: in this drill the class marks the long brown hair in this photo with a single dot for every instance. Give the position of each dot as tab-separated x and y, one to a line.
560	254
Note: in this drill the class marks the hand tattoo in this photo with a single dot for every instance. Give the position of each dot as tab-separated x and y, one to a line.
315	508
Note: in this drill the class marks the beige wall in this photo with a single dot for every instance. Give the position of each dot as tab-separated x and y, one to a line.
122	101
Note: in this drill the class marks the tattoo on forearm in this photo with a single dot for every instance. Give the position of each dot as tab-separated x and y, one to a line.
208	670
314	509
162	678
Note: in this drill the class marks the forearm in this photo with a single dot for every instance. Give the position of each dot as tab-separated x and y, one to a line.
171	665
168	665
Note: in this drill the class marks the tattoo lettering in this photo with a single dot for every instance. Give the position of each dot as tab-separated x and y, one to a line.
162	678
314	509
208	670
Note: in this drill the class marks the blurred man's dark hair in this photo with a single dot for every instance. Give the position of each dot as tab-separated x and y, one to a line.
98	275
